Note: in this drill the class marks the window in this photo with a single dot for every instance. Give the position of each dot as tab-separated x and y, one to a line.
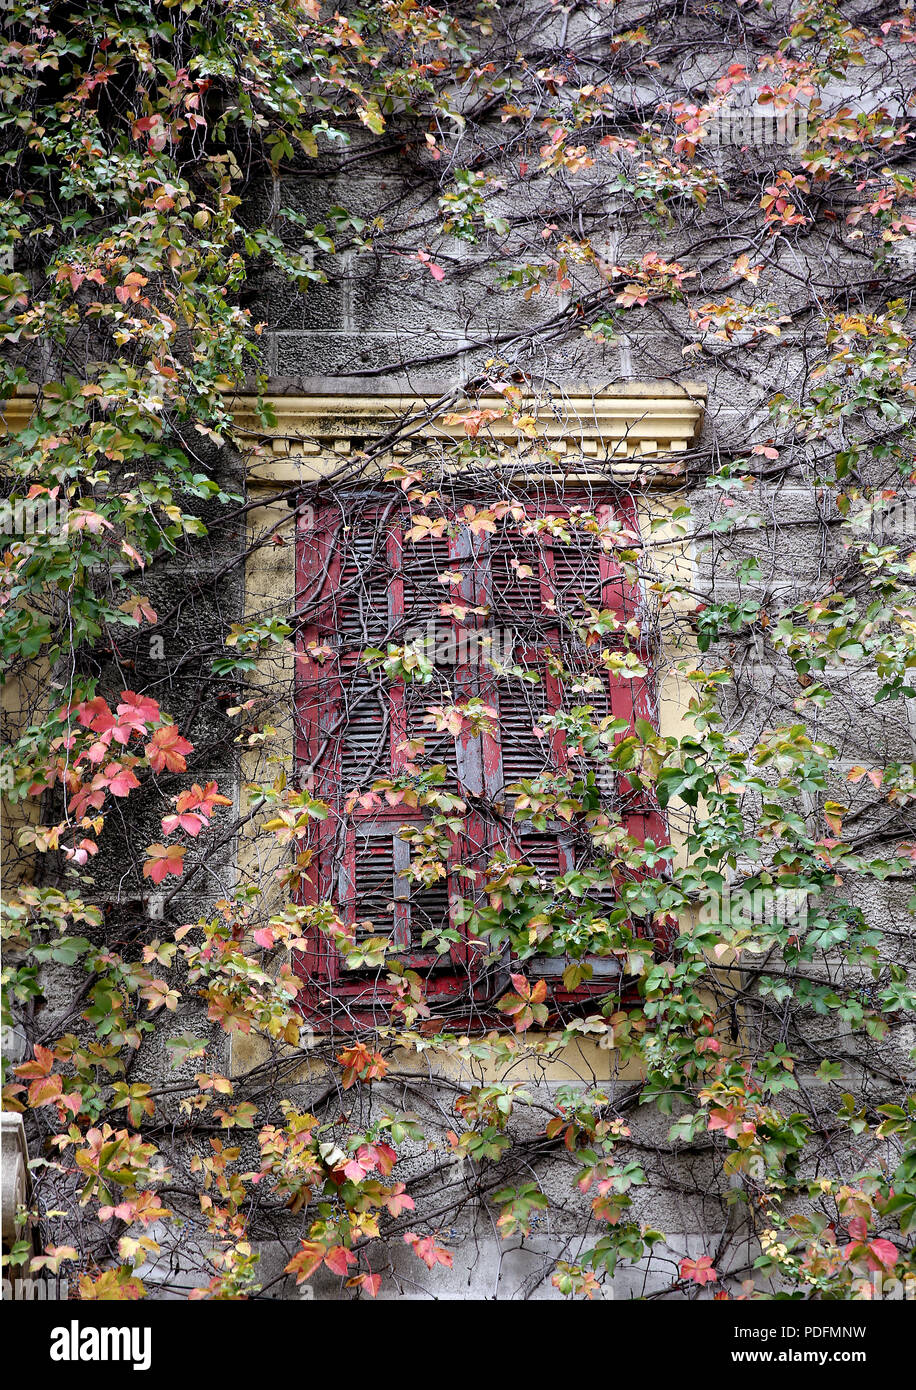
516	613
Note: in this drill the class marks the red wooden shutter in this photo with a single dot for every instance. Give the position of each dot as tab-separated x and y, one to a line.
373	887
363	582
566	576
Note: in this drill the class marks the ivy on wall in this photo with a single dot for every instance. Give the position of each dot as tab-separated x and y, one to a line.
573	159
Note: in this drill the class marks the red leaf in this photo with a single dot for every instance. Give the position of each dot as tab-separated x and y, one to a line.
41	1065
700	1271
188	821
398	1201
45	1091
166	750
306	1261
119	780
370	1282
137	711
339	1259
885	1251
163	860
426	1249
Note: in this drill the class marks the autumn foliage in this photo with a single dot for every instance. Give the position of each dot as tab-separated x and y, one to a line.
574	159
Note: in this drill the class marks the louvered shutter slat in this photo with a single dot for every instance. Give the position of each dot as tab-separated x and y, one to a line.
373	891
364	730
422	562
543	852
361	611
516	600
523	754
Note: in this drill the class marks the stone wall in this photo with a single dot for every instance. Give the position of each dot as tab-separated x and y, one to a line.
382	325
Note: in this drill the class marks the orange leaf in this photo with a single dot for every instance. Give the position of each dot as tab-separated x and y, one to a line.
164	860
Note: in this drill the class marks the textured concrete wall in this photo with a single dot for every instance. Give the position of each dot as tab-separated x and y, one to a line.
383	324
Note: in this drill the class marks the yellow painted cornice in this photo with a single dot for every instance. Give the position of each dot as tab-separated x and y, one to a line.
635	429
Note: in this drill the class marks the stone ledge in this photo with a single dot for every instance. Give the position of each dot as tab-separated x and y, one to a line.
611	435
14	1178
614	434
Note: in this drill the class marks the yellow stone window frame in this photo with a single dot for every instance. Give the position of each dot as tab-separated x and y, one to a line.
633	435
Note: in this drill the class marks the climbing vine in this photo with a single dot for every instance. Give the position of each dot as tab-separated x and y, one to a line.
725	941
